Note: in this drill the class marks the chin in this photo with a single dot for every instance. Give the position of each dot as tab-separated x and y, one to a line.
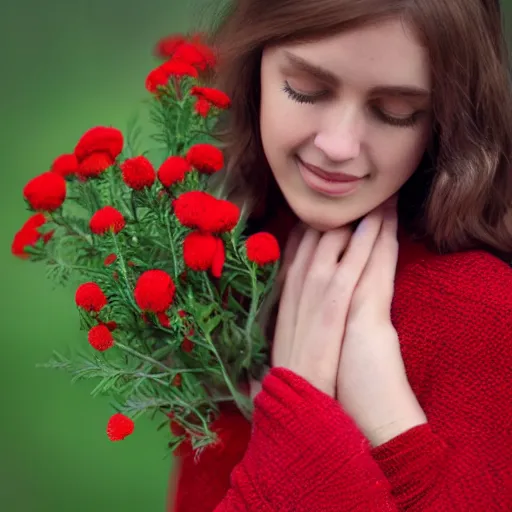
323	223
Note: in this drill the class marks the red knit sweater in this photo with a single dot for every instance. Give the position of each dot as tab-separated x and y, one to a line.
303	453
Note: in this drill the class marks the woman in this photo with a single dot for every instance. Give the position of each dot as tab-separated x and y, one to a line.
391	384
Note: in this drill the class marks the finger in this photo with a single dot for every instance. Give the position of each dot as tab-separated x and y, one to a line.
379	273
289	303
291	248
330	248
357	254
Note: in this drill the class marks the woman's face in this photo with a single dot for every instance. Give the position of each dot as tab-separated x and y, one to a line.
345	120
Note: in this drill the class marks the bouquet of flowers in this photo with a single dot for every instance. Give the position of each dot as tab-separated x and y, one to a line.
168	285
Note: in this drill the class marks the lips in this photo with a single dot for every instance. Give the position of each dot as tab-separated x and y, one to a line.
335	177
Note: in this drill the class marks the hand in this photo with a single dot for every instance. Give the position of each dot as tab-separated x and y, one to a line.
317	294
372	384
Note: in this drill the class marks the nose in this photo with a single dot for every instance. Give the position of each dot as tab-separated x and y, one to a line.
340	138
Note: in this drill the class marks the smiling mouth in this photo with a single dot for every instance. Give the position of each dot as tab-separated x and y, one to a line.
327	183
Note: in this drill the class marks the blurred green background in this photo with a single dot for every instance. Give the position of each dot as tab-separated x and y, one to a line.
67	66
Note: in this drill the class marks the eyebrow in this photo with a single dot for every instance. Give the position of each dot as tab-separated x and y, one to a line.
328	77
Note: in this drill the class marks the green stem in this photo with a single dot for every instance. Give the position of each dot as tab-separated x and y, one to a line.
143	357
59	220
241	400
171	244
252	315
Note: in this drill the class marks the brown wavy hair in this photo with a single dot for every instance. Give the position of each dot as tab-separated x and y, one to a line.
460	197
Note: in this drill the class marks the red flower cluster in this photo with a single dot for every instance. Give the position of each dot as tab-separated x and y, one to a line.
154	291
100	337
97	150
205	158
190	50
159	77
183	58
262	248
107	219
202	211
173	171
207	98
119	426
138	172
45	192
29	235
90	296
203	251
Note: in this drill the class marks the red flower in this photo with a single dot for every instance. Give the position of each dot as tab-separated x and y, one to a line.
200	210
177	380
166	47
187	345
97	150
45	192
111	325
203	251
119	426
206	158
138	172
202	107
154	291
195	54
215	97
156	78
199	250
107	219
29	235
100	337
65	165
90	296
111	258
262	248
164	320
173	170
178	69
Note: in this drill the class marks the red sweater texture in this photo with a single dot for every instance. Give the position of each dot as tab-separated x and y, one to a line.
304	453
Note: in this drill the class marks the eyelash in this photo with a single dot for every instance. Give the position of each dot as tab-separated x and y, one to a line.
312	98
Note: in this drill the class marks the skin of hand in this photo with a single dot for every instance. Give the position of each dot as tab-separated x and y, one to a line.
334	327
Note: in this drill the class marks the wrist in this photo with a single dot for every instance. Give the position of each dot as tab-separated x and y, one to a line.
409	414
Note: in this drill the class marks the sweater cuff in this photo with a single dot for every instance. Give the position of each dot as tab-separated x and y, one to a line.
303	442
407	459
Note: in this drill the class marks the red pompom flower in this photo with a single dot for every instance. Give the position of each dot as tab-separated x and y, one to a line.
100	338
202	107
178	69
90	296
119	426
97	150
138	172
173	170
166	47
262	248
213	96
29	235
45	192
107	219
154	291
200	210
203	251
156	78
65	165
206	158
195	54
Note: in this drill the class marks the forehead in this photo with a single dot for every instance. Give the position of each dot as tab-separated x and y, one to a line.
387	53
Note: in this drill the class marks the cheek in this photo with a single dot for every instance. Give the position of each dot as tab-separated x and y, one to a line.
397	158
283	123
